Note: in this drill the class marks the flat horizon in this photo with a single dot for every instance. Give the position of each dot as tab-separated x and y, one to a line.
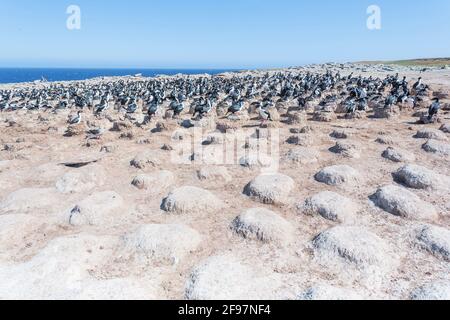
220	67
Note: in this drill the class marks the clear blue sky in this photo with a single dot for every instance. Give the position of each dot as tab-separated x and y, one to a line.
218	33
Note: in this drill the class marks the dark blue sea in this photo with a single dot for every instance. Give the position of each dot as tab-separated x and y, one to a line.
16	75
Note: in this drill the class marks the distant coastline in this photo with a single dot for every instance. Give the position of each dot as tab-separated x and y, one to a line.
18	75
424	62
24	75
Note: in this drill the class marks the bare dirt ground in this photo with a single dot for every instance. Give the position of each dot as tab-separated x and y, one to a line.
135	224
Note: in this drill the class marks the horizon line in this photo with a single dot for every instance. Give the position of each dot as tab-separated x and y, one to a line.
226	68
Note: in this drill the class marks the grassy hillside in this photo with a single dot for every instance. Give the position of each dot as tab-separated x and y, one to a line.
435	62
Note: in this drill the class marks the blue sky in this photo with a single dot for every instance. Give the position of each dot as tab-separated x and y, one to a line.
218	34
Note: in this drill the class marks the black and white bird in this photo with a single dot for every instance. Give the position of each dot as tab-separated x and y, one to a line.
403	97
132	107
418	84
350	106
61	105
102	107
236	107
153	109
4	105
177	107
75	119
203	108
390	101
434	109
264	114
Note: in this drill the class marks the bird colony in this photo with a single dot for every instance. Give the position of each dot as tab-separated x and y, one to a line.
350	201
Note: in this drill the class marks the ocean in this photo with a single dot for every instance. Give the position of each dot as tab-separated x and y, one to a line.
17	75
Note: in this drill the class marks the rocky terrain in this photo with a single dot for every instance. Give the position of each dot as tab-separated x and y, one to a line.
298	209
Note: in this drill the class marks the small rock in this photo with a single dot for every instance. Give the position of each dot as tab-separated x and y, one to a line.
353	245
162	243
156	181
215	138
304	140
216	174
435	240
167	147
398	155
324	116
263	225
120	126
146	159
270	188
431	134
387	113
259	160
191	200
437	147
169	114
388	140
162	126
425	119
126	136
338	175
73	131
302	156
339	134
403	203
330	206
225	126
358	114
306	129
418	177
347	150
297	118
188	123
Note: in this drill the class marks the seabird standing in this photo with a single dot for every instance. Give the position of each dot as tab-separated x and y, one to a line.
152	109
75	119
264	114
102	107
177	107
434	109
236	107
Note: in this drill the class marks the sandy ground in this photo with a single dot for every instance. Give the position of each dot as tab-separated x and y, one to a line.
74	233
